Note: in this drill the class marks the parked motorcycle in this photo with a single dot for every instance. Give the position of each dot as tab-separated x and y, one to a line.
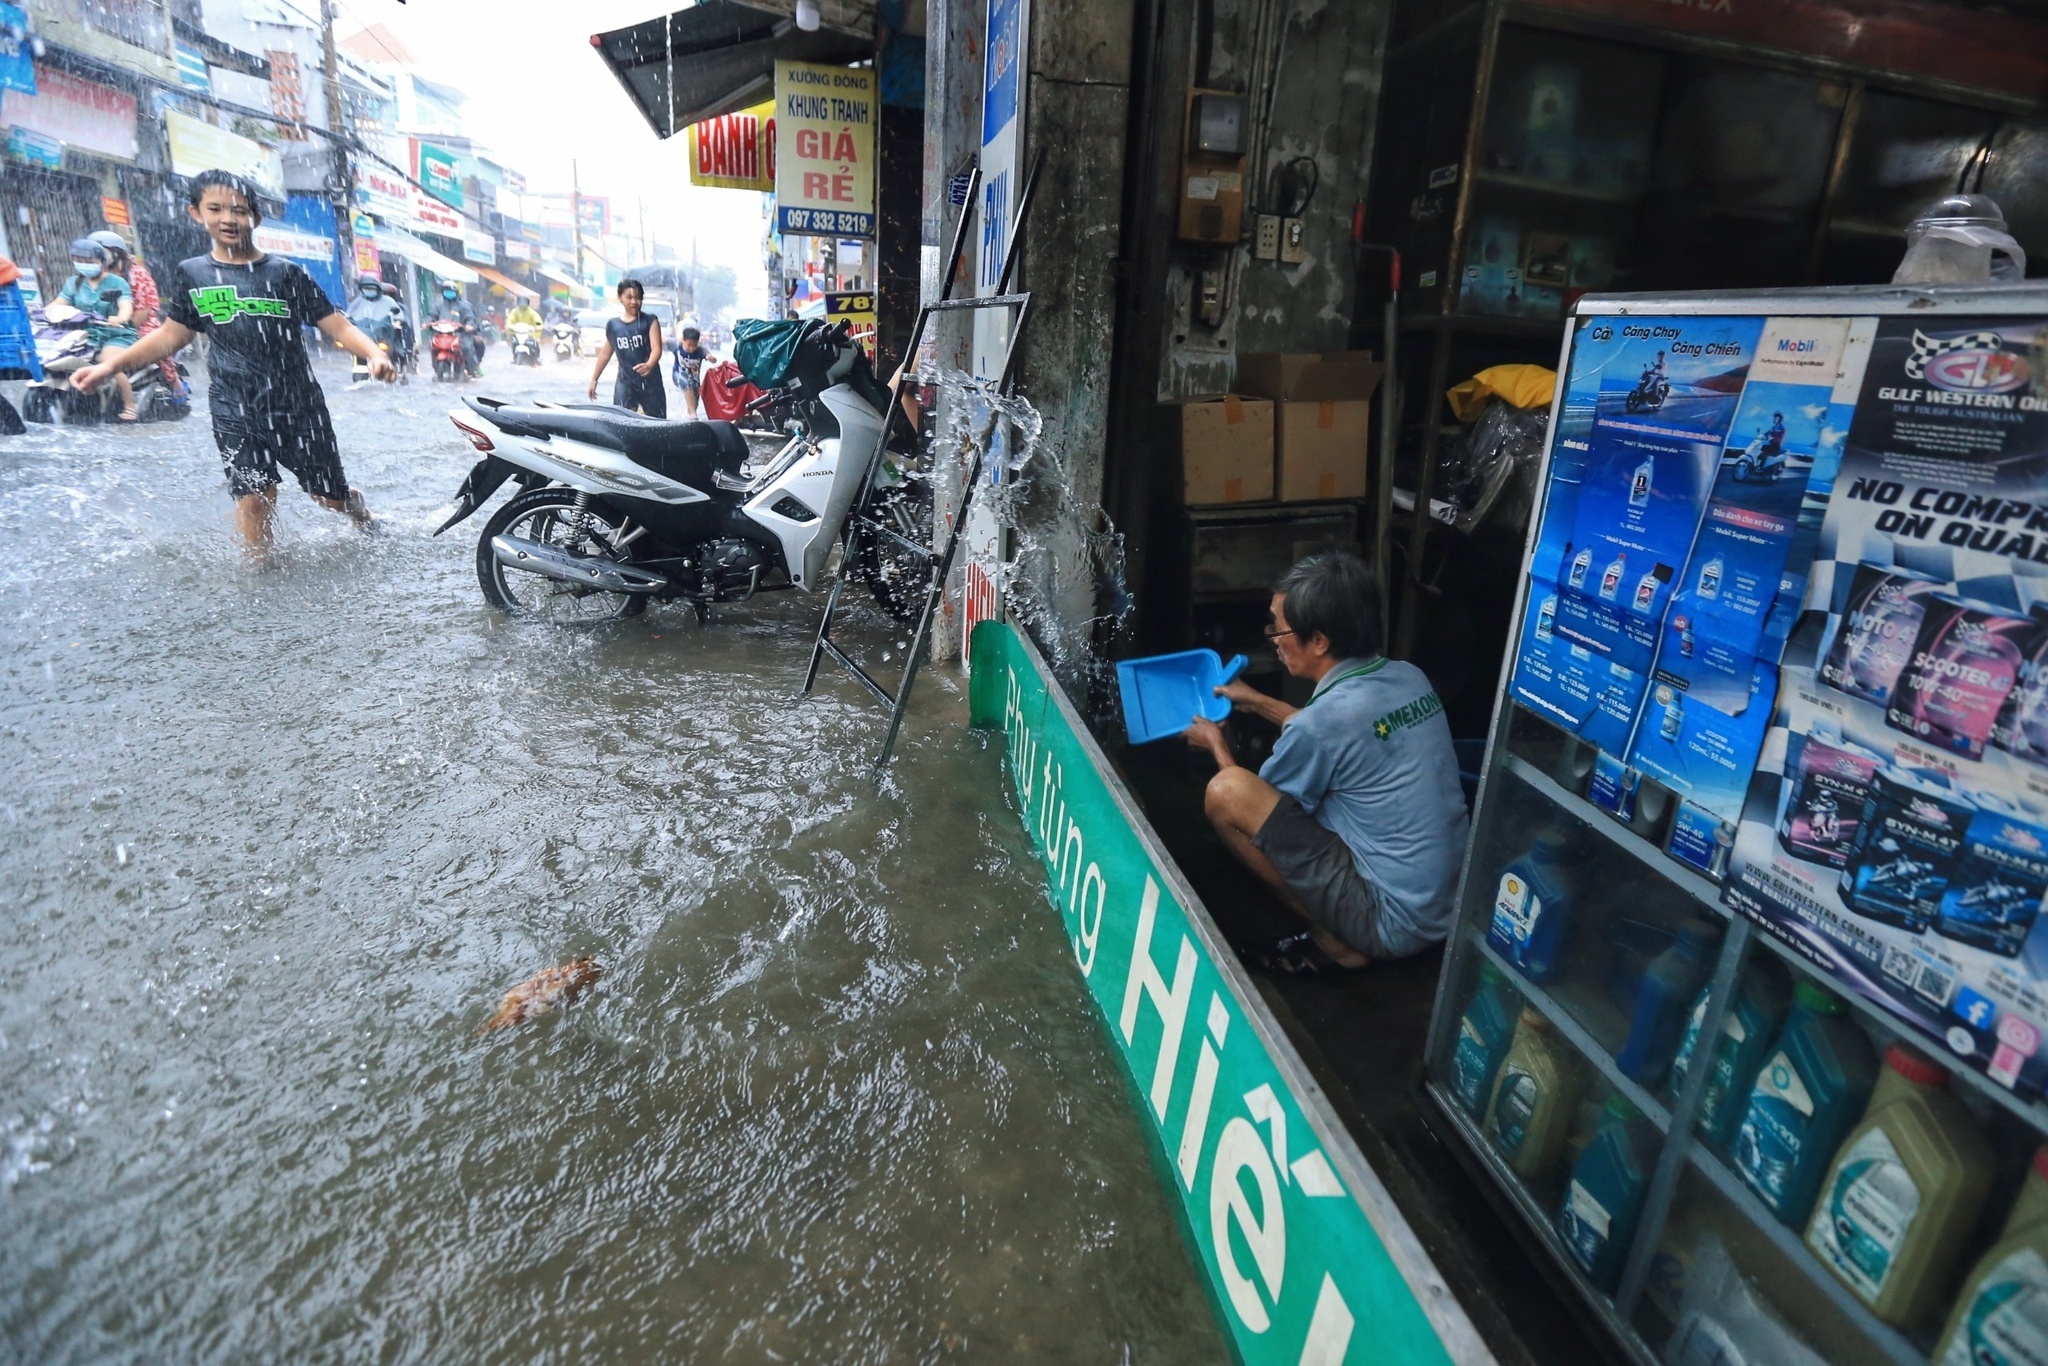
525	339
1649	393
63	346
615	509
450	350
568	339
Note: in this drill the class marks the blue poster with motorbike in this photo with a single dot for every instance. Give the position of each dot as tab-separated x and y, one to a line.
1716	679
1896	831
1661	393
1646	403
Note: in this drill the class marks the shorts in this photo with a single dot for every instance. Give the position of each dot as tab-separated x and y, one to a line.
643	392
253	448
1317	865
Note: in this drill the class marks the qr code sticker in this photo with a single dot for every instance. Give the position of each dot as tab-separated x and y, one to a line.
1935	984
1901	966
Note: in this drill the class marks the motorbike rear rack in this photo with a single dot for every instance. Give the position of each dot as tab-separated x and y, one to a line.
864	526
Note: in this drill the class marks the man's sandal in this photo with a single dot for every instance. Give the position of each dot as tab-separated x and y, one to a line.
1296	955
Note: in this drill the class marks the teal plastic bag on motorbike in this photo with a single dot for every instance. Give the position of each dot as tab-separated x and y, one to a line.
765	349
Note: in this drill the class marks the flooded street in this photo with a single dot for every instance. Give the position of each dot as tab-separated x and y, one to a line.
276	841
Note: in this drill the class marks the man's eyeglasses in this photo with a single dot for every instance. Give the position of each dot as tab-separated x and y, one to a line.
1274	635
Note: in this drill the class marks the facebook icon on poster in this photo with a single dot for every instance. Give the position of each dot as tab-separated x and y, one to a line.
1975	1010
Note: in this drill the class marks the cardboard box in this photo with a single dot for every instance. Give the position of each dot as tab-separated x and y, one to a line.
1322	418
1226	450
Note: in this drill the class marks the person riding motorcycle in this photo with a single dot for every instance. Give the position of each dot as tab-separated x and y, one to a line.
381	316
521	313
452	309
148	302
109	299
1774	435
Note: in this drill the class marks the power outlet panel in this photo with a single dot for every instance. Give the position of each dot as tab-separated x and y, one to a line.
1266	241
1292	251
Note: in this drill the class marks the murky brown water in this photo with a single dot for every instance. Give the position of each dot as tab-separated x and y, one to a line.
272	844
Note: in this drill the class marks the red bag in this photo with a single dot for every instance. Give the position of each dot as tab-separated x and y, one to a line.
720	403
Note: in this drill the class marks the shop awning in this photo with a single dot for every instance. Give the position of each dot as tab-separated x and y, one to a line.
420	254
720	55
510	285
569	282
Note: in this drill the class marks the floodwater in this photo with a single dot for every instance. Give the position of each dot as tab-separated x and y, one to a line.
272	844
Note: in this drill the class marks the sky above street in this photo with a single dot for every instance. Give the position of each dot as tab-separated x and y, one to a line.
539	96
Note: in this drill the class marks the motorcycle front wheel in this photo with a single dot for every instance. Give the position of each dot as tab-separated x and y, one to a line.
552	517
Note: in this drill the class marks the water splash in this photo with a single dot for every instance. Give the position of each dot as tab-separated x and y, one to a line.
1063	578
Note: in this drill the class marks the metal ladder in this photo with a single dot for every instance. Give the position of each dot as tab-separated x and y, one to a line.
863	524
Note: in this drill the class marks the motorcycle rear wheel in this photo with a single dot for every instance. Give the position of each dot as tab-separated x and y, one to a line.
898	579
551	516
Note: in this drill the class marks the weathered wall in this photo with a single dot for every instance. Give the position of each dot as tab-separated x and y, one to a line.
952	139
1078	112
1311	72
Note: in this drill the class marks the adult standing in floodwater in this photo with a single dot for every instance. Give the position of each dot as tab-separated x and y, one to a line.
267	408
636	340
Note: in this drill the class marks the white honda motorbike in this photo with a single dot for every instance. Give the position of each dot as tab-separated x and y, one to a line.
615	509
568	340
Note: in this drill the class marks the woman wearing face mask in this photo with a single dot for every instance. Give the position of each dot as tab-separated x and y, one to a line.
92	289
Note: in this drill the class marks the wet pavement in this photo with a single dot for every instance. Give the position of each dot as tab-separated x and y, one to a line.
275	841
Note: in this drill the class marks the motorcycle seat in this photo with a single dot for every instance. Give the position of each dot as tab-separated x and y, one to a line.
687	452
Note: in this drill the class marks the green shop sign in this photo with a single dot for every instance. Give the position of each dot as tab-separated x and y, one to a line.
1309	1261
441	172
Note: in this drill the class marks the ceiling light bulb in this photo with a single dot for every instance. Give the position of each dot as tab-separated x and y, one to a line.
807	15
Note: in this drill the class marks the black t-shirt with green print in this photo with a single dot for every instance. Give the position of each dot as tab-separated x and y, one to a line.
257	364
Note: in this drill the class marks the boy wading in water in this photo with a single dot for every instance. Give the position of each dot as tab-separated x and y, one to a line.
636	340
267	408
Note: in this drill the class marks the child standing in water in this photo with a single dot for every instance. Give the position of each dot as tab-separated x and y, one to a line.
691	358
268	410
636	340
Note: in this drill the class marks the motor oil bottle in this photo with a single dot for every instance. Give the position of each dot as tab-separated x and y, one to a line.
1747	1032
1657	1025
1598	1218
1485	1031
1532	906
2001	1314
1530	1112
1809	1092
1903	1192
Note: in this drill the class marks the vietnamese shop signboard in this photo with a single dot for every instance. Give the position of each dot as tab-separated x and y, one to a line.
825	150
197	145
17	66
1309	1261
735	151
296	243
440	170
75	112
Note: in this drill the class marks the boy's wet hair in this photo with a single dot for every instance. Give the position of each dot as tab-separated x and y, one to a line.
630	283
1335	595
691	334
224	180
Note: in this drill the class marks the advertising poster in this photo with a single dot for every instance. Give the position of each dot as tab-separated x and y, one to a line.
1896	832
735	151
825	150
1715	680
1647	404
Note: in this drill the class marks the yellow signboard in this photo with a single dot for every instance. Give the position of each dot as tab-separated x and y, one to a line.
735	151
825	120
857	308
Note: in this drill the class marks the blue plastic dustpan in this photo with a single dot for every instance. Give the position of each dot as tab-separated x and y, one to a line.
1164	693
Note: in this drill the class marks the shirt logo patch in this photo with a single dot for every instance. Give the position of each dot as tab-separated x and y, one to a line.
224	303
1412	714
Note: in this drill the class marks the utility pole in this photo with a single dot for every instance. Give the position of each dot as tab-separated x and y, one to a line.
343	195
576	218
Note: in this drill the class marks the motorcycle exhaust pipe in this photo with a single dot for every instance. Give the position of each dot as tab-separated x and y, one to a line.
517	552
